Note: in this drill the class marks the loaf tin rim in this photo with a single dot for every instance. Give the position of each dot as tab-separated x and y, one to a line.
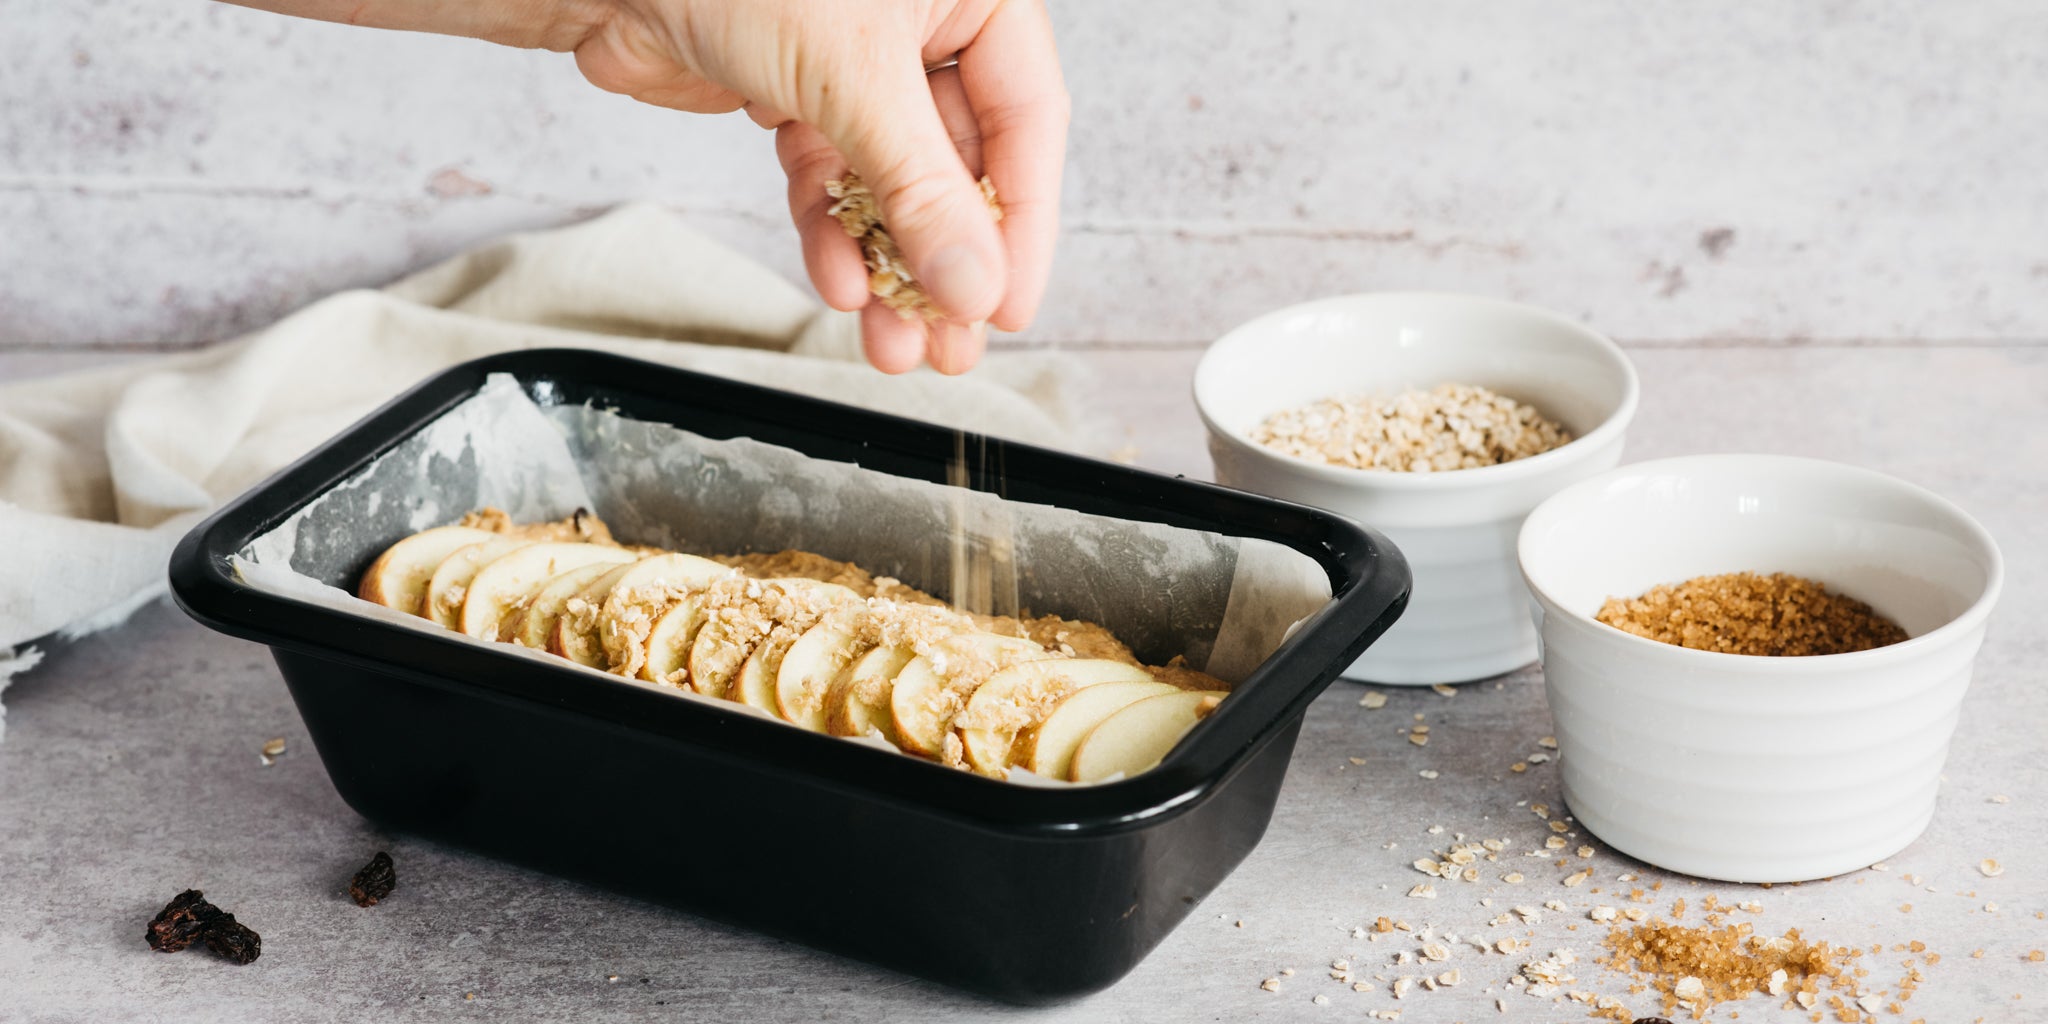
1369	583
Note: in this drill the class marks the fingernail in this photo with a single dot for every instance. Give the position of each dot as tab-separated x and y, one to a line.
959	278
956	352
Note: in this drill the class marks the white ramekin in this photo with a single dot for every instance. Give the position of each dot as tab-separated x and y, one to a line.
1468	617
1755	769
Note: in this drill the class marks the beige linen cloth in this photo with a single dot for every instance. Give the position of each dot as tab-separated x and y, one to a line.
101	472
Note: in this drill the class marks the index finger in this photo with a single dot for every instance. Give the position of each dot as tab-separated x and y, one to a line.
1011	72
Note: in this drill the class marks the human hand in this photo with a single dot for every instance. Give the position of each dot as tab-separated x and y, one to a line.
844	84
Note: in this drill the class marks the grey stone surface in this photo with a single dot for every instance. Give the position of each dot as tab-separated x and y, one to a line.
174	172
130	770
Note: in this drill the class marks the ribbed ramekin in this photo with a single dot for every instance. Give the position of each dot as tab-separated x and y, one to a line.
1467	617
1744	768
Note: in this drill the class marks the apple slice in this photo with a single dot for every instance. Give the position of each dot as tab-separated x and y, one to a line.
575	634
1048	748
934	687
668	643
858	703
638	598
1020	696
532	625
398	578
449	586
1139	735
516	578
731	632
810	669
811	603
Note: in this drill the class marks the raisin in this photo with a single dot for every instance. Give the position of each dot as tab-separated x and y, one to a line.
233	940
181	922
374	882
188	918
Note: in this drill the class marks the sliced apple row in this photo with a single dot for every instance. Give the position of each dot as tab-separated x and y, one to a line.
933	682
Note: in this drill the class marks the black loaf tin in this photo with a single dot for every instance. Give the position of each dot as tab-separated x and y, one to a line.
1023	893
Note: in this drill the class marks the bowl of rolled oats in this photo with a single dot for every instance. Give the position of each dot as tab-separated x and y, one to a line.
1440	420
1756	661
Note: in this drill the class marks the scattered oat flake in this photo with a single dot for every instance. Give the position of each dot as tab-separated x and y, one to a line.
1355	761
1428	773
1538	758
2035	956
1450	977
1420	739
1422	891
1373	699
1270	984
1547	743
1321	1000
274	748
1512	878
1444	689
1585	853
2001	799
1361	986
1575	879
1690	991
1880	866
1990	868
1518	767
1602	913
1436	951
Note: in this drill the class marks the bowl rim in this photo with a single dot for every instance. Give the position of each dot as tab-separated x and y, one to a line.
1969	619
1583	446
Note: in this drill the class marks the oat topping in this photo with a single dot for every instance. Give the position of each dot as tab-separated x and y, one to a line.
889	277
1448	427
730	637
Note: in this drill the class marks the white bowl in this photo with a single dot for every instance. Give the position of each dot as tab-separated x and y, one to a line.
1755	769
1468	617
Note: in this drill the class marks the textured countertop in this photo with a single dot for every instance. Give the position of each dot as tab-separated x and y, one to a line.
130	771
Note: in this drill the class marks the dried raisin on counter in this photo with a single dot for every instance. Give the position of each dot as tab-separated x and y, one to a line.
189	918
183	921
233	940
374	882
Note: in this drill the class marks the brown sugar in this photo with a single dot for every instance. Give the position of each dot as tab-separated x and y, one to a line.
1778	615
1695	969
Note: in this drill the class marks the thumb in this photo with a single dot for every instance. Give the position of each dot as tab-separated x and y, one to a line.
893	136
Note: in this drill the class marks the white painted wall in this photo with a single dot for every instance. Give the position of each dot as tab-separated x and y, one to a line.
173	171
